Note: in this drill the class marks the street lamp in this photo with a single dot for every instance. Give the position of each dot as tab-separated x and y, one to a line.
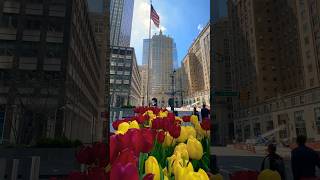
173	92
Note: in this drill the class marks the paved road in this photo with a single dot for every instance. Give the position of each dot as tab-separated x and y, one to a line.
230	160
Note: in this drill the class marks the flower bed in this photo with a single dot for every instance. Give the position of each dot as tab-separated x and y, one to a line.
154	144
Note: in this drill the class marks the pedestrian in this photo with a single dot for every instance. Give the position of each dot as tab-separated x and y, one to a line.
204	112
304	160
195	112
273	161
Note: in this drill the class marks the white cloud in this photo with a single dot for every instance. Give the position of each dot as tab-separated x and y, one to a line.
200	27
140	26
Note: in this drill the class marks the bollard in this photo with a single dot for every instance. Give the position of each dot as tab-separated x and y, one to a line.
14	170
35	168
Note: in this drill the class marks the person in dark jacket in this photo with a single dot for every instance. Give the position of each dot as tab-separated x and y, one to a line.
304	160
273	161
195	112
204	112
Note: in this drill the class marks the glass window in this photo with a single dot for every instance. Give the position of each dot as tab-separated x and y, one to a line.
8	21
300	123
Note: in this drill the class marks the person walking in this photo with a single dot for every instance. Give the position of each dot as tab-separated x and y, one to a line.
304	160
195	112
273	161
204	112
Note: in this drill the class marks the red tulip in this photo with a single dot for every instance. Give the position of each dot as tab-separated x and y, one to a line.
205	124
156	124
96	174
160	136
174	131
136	140
77	176
85	155
186	118
171	115
147	140
124	140
148	177
120	172
115	124
114	149
126	156
140	119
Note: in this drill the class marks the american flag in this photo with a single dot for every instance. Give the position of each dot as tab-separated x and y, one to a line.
155	17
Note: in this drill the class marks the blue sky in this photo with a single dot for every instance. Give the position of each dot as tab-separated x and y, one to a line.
180	19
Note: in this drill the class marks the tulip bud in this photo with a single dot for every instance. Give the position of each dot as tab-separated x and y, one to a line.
194	148
201	175
168	140
183	134
194	119
152	167
182	149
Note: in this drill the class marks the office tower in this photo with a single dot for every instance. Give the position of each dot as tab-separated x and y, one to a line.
50	71
197	68
99	18
219	9
145	51
175	57
125	80
221	83
121	12
161	68
273	66
143	69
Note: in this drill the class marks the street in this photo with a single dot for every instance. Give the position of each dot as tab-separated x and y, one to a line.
230	160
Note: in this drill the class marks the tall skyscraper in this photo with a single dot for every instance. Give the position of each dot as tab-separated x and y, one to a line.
161	68
145	53
175	56
121	12
50	74
197	68
99	18
274	67
220	9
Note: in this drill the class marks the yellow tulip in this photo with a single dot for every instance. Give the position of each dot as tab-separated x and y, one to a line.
191	131
163	114
269	174
200	175
123	128
134	125
165	171
182	172
182	148
152	167
177	118
183	134
194	119
165	178
168	140
194	148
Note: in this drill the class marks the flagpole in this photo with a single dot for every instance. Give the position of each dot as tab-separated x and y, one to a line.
149	57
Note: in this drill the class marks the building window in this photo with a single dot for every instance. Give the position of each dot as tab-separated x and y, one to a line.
256	130
126	81
300	123
8	21
317	118
111	81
